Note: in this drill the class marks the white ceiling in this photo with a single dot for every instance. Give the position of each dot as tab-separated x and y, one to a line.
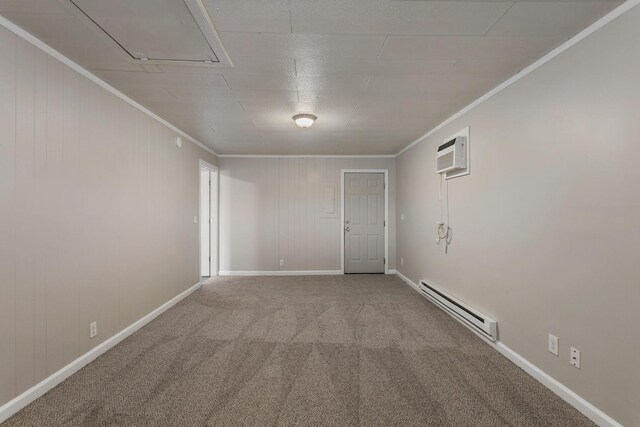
377	73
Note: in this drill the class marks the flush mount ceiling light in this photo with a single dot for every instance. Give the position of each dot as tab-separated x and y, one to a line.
304	120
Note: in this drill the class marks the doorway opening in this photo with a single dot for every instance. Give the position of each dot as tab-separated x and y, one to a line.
208	220
364	222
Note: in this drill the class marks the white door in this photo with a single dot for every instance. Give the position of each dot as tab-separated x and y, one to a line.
205	222
364	223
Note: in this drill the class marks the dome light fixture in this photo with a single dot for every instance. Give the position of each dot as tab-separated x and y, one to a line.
304	120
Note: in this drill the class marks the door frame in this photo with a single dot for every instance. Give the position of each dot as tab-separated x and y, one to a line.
386	213
215	225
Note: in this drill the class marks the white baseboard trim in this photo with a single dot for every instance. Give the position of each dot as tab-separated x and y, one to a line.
564	392
409	282
568	395
19	402
281	273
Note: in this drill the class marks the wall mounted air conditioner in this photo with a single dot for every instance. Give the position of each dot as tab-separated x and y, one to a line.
452	155
477	321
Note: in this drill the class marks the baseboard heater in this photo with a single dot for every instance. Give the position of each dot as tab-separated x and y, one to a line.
477	321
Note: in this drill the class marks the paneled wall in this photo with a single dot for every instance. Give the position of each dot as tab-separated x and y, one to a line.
546	229
96	214
288	208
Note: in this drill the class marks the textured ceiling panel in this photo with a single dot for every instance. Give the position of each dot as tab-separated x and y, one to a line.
377	73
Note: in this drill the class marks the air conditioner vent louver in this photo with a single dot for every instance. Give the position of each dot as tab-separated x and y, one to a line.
178	32
452	155
461	311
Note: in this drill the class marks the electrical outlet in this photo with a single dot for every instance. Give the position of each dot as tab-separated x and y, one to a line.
401	261
553	344
281	262
575	358
195	219
401	217
93	329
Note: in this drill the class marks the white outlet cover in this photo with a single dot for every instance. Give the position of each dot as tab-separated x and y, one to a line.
93	329
281	262
401	261
574	357
178	142
553	344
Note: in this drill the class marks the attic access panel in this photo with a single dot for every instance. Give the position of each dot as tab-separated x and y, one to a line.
155	31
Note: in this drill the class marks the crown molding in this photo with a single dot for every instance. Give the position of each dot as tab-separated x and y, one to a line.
306	156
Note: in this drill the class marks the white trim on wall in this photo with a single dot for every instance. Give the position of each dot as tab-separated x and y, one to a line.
564	392
214	169
386	213
282	273
307	156
623	8
97	80
22	400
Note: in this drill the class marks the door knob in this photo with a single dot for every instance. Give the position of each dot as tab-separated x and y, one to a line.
347	229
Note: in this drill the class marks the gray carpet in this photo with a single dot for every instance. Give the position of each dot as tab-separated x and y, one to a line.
334	351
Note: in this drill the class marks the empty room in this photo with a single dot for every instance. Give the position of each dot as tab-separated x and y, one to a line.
320	213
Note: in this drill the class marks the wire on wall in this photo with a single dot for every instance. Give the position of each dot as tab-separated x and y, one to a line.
443	230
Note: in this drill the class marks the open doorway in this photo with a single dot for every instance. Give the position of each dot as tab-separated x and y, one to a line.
208	219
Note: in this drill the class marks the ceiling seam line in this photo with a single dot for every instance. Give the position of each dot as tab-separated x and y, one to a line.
500	18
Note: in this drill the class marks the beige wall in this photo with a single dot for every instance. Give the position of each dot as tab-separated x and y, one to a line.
547	226
288	208
96	214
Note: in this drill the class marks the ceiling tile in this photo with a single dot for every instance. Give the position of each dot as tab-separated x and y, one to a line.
395	17
428	83
333	66
302	45
550	18
490	66
284	82
59	27
464	47
243	133
32	6
201	96
94	56
312	97
259	16
137	79
242	65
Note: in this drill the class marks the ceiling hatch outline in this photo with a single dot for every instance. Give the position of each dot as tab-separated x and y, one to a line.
216	57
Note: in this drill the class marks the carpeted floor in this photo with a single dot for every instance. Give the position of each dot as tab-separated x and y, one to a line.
322	350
